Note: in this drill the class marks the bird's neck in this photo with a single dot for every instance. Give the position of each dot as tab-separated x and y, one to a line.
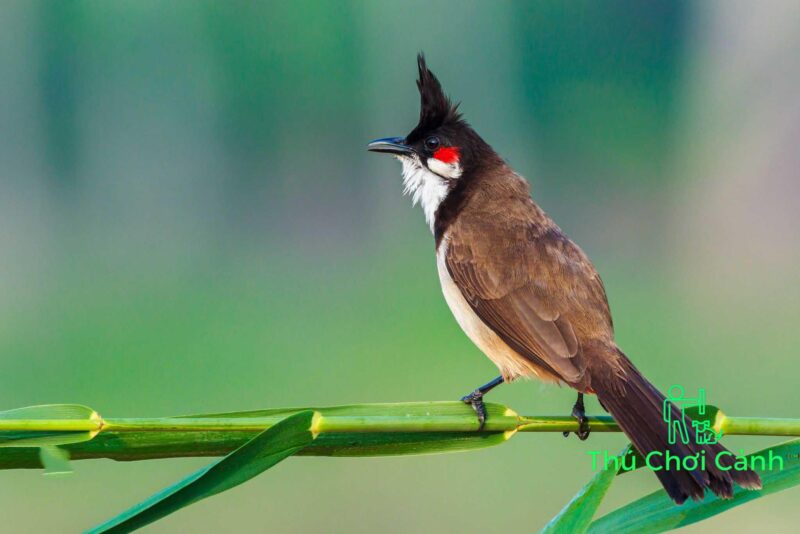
479	183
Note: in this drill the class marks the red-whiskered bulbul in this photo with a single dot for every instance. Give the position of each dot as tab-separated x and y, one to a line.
528	296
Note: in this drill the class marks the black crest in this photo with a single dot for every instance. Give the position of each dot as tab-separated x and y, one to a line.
435	107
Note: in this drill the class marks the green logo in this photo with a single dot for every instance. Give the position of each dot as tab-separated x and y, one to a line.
680	427
677	421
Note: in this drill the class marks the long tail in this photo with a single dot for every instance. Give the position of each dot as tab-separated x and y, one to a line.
638	407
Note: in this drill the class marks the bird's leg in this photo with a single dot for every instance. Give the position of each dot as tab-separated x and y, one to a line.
475	399
579	413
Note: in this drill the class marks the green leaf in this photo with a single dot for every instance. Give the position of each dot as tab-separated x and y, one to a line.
657	513
577	514
34	426
257	455
129	446
401	443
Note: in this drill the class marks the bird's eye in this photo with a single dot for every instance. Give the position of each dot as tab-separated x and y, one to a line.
432	143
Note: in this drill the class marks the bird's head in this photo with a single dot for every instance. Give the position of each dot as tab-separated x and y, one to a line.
439	151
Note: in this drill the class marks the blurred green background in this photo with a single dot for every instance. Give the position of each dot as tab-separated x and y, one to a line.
189	222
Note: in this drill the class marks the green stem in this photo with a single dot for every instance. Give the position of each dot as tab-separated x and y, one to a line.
759	426
549	423
216	435
49	425
328	424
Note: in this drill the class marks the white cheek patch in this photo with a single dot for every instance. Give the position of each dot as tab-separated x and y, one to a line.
425	187
448	170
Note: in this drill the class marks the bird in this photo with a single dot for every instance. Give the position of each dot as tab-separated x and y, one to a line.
529	297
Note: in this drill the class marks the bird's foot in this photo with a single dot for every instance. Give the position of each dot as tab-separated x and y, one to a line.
475	399
583	423
579	413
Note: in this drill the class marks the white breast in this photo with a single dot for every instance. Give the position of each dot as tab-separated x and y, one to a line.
510	363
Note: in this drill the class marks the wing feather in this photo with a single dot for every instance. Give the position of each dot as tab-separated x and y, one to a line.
534	288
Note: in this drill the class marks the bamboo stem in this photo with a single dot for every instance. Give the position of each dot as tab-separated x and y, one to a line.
130	439
760	426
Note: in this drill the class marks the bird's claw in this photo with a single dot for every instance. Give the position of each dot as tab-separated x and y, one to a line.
475	399
579	413
583	424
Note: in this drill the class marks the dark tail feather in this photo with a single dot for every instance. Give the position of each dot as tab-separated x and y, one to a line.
638	408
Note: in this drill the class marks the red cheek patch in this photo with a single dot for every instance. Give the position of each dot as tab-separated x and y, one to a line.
447	154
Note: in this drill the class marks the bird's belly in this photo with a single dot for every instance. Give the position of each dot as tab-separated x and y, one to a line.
509	361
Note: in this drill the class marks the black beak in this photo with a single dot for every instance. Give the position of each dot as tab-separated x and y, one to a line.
390	145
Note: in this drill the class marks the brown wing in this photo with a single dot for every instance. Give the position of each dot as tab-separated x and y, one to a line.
533	287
